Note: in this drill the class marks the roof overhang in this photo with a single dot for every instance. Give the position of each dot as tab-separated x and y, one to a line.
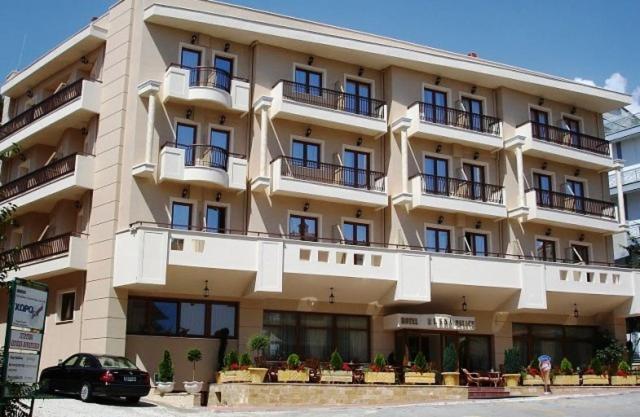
625	134
74	48
245	25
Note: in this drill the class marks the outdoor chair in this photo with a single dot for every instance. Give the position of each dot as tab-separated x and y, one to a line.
474	378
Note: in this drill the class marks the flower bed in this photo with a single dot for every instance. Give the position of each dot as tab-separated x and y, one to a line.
588	379
624	380
566	380
293	375
240	375
332	377
382	377
412	377
529	379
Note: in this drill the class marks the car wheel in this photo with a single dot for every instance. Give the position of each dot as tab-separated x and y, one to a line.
133	400
86	392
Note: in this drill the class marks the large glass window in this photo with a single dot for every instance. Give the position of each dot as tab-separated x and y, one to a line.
436	175
224	72
216	219
314	335
540	121
546	250
185	139
191	59
435	107
181	215
305	154
303	227
358	98
219	141
356	233
183	318
474	108
308	82
437	240
477	243
356	168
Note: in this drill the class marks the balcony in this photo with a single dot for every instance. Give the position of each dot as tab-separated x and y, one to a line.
562	145
70	107
630	180
328	108
456	196
565	210
328	182
205	86
204	165
450	125
49	257
38	191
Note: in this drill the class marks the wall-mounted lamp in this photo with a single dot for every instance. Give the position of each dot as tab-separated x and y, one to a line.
438	148
218	196
306	206
223	119
476	155
438	79
185	192
540	101
573	110
473	89
464	303
547	232
440	219
205	290
576	173
576	313
544	165
84	60
359	213
360	71
310	60
332	298
84	131
29	93
581	237
307	133
478	224
194	38
226	47
23	157
189	113
359	142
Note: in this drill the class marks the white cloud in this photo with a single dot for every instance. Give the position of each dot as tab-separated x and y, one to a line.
635	106
616	82
584	81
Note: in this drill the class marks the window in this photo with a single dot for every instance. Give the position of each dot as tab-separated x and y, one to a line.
544	187
185	139
182	318
356	169
219	141
573	126
316	335
540	123
305	154
580	253
86	362
576	190
216	219
71	361
435	106
224	72
474	108
66	305
573	342
546	250
191	59
356	233
436	175
308	82
476	243
476	175
358	98
303	227
181	215
619	150
438	240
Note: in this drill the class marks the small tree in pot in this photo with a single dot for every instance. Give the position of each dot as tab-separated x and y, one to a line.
257	344
294	372
567	376
379	372
165	383
193	386
339	371
450	371
512	367
420	371
232	371
623	375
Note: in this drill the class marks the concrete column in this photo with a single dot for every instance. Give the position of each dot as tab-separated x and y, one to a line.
148	150
622	217
520	175
264	129
404	152
6	103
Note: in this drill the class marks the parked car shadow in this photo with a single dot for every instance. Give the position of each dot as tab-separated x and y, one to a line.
120	402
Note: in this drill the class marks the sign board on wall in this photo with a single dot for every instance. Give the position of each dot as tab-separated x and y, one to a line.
29	307
25	340
22	368
429	322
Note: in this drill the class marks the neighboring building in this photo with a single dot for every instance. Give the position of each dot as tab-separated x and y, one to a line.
192	169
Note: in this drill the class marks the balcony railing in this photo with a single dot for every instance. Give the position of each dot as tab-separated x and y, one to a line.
331	174
208	77
38	250
568	202
205	155
458	118
39	177
332	99
468	190
569	138
51	103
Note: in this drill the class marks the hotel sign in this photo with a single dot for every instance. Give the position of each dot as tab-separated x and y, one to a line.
429	322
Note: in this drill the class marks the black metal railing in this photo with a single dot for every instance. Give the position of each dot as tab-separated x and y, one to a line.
38	250
569	138
40	176
468	190
572	203
458	118
331	174
205	155
46	106
333	99
208	77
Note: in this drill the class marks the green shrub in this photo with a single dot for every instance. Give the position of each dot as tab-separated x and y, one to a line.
535	364
624	367
512	364
379	362
420	362
193	356
230	359
165	368
257	344
596	365
450	360
566	367
245	359
335	362
293	361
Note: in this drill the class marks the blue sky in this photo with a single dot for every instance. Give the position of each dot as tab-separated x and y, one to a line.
588	39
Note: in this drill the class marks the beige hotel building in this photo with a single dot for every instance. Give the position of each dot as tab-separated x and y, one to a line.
192	172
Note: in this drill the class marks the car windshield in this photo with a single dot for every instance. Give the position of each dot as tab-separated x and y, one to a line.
116	362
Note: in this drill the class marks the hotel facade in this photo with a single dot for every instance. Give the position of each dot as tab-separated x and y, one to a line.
192	173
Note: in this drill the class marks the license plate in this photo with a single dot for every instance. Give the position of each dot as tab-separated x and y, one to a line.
129	379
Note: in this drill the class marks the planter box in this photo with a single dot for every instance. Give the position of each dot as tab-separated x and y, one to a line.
257	375
532	380
419	377
234	376
624	380
594	380
511	380
293	376
379	377
332	377
451	379
566	380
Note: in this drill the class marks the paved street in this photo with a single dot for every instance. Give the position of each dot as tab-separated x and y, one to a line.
616	405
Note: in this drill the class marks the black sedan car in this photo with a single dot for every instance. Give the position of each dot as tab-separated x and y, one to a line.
96	375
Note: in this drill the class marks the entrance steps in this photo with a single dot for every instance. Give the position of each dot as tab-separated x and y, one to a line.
485	393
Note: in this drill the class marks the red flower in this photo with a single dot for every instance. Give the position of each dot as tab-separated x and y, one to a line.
234	367
589	372
374	368
533	372
621	373
346	367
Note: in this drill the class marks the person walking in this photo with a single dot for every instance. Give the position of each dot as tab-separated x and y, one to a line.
544	362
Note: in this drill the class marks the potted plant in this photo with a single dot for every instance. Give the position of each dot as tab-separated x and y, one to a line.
420	371
595	375
450	371
257	344
512	367
531	375
379	372
294	370
623	375
193	386
232	371
339	371
164	383
566	376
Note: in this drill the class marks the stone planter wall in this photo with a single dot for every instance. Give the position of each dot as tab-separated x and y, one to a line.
340	377
234	376
451	378
286	375
419	377
566	380
594	380
511	380
379	377
624	380
532	380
